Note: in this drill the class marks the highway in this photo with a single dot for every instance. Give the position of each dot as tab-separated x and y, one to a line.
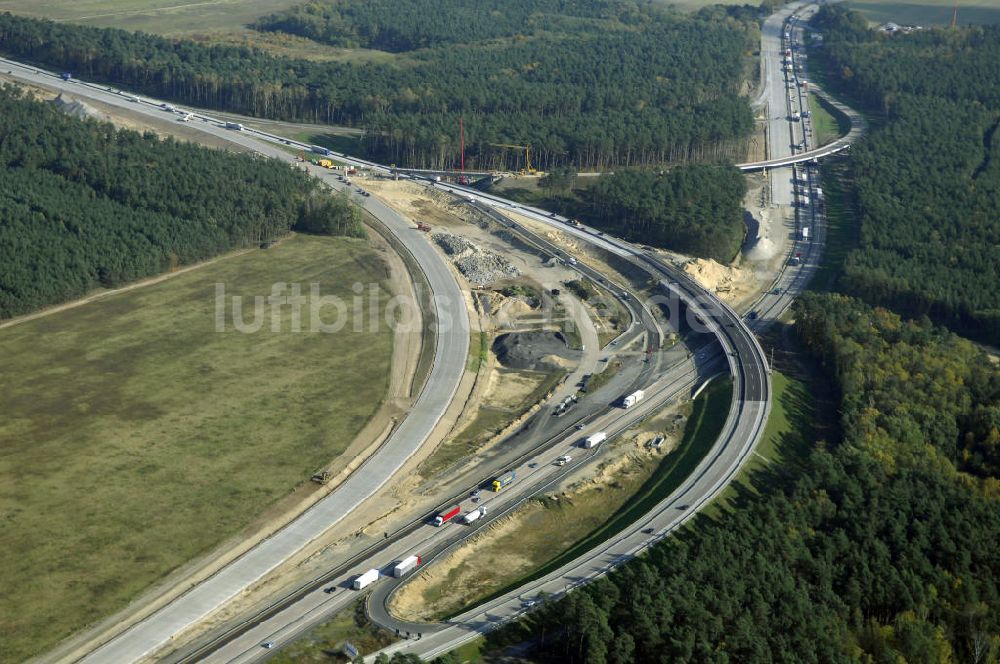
742	430
451	352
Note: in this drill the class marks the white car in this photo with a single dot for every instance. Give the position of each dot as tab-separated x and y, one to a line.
563	460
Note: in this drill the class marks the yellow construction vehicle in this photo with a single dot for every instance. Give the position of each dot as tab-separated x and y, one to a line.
325	163
527	155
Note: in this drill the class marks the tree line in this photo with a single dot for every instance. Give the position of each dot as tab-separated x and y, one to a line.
879	548
694	209
926	185
586	84
86	205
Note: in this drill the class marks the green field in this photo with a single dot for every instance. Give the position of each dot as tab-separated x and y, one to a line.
169	17
136	437
929	12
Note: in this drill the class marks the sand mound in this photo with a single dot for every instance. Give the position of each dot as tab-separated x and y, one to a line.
730	283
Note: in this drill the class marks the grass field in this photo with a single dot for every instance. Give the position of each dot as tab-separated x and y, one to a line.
168	17
929	12
136	437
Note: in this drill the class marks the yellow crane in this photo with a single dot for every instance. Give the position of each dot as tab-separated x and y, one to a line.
527	154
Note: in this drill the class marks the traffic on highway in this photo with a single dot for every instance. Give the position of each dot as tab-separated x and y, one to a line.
727	345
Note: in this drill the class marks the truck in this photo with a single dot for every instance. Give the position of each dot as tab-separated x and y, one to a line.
593	441
325	163
318	149
474	514
234	125
504	481
630	400
366	579
447	515
805	233
406	565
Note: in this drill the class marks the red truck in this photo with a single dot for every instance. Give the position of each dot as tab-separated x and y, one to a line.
447	515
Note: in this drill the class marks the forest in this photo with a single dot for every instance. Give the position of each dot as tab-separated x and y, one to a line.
694	209
591	84
926	181
85	205
880	547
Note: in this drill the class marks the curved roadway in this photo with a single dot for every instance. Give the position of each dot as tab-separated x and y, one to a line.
743	427
451	353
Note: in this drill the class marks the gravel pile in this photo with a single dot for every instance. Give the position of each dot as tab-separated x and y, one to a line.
453	244
479	266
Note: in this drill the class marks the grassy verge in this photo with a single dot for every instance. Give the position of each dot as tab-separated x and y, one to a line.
137	437
703	427
479	351
841	225
324	643
785	438
828	124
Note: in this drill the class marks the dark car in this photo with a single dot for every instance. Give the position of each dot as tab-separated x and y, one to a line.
648	531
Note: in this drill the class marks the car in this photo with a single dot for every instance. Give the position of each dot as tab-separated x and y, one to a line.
475	493
552	214
476	499
648	531
776	291
532	465
528	603
579	426
365	194
330	589
683	507
267	644
571	260
563	460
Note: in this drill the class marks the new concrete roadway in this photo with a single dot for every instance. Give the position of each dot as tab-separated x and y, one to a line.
450	358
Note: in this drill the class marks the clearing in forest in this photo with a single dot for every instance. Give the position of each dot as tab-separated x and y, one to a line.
137	437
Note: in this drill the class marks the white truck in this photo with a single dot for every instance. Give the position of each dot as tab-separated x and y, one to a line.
595	440
366	579
805	232
630	400
474	514
406	565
